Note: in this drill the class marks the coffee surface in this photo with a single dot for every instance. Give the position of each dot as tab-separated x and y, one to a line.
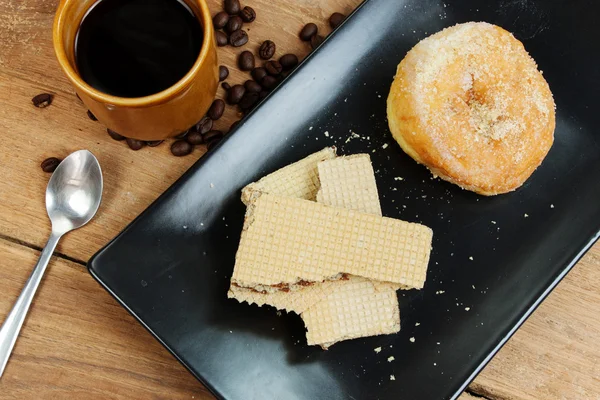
135	48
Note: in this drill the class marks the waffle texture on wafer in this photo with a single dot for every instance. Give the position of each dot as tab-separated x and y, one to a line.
349	182
286	240
303	172
355	309
300	256
299	180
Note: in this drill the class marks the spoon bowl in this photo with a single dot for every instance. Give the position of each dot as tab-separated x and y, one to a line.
74	192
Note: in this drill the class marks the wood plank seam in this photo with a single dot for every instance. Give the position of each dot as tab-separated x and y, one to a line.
484	392
37	248
480	394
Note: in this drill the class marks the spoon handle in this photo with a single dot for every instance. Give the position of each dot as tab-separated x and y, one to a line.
11	327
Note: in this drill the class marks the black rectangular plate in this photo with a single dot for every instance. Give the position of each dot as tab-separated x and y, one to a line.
170	268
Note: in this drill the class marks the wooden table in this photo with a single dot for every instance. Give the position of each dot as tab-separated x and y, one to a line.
79	343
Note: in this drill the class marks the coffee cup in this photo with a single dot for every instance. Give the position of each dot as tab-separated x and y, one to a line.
151	116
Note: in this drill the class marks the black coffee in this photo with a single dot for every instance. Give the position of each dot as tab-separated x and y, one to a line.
135	48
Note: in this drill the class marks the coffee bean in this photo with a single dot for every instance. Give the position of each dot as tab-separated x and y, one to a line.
42	100
238	38
134	144
232	7
226	86
249	100
220	20
91	116
223	73
182	134
252	86
268	82
212	135
216	109
248	14
288	61
154	143
194	138
210	145
246	60
263	94
235	94
316	41
273	67
258	73
115	135
234	24
221	38
50	164
285	74
336	19
308	32
267	50
204	125
234	125
181	148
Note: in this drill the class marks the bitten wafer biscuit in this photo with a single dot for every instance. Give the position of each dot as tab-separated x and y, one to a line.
349	182
354	310
286	240
299	180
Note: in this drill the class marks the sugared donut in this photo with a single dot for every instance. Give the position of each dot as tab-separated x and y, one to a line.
470	104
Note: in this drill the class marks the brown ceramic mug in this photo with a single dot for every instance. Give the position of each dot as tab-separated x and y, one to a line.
154	117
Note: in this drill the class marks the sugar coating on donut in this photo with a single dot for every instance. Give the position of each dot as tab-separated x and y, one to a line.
470	104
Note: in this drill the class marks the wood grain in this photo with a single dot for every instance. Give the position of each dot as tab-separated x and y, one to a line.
555	355
79	343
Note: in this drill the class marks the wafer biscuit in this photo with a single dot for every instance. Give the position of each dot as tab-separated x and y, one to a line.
300	300
299	180
287	240
349	182
354	310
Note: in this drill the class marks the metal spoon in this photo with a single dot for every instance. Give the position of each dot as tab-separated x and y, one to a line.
72	199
